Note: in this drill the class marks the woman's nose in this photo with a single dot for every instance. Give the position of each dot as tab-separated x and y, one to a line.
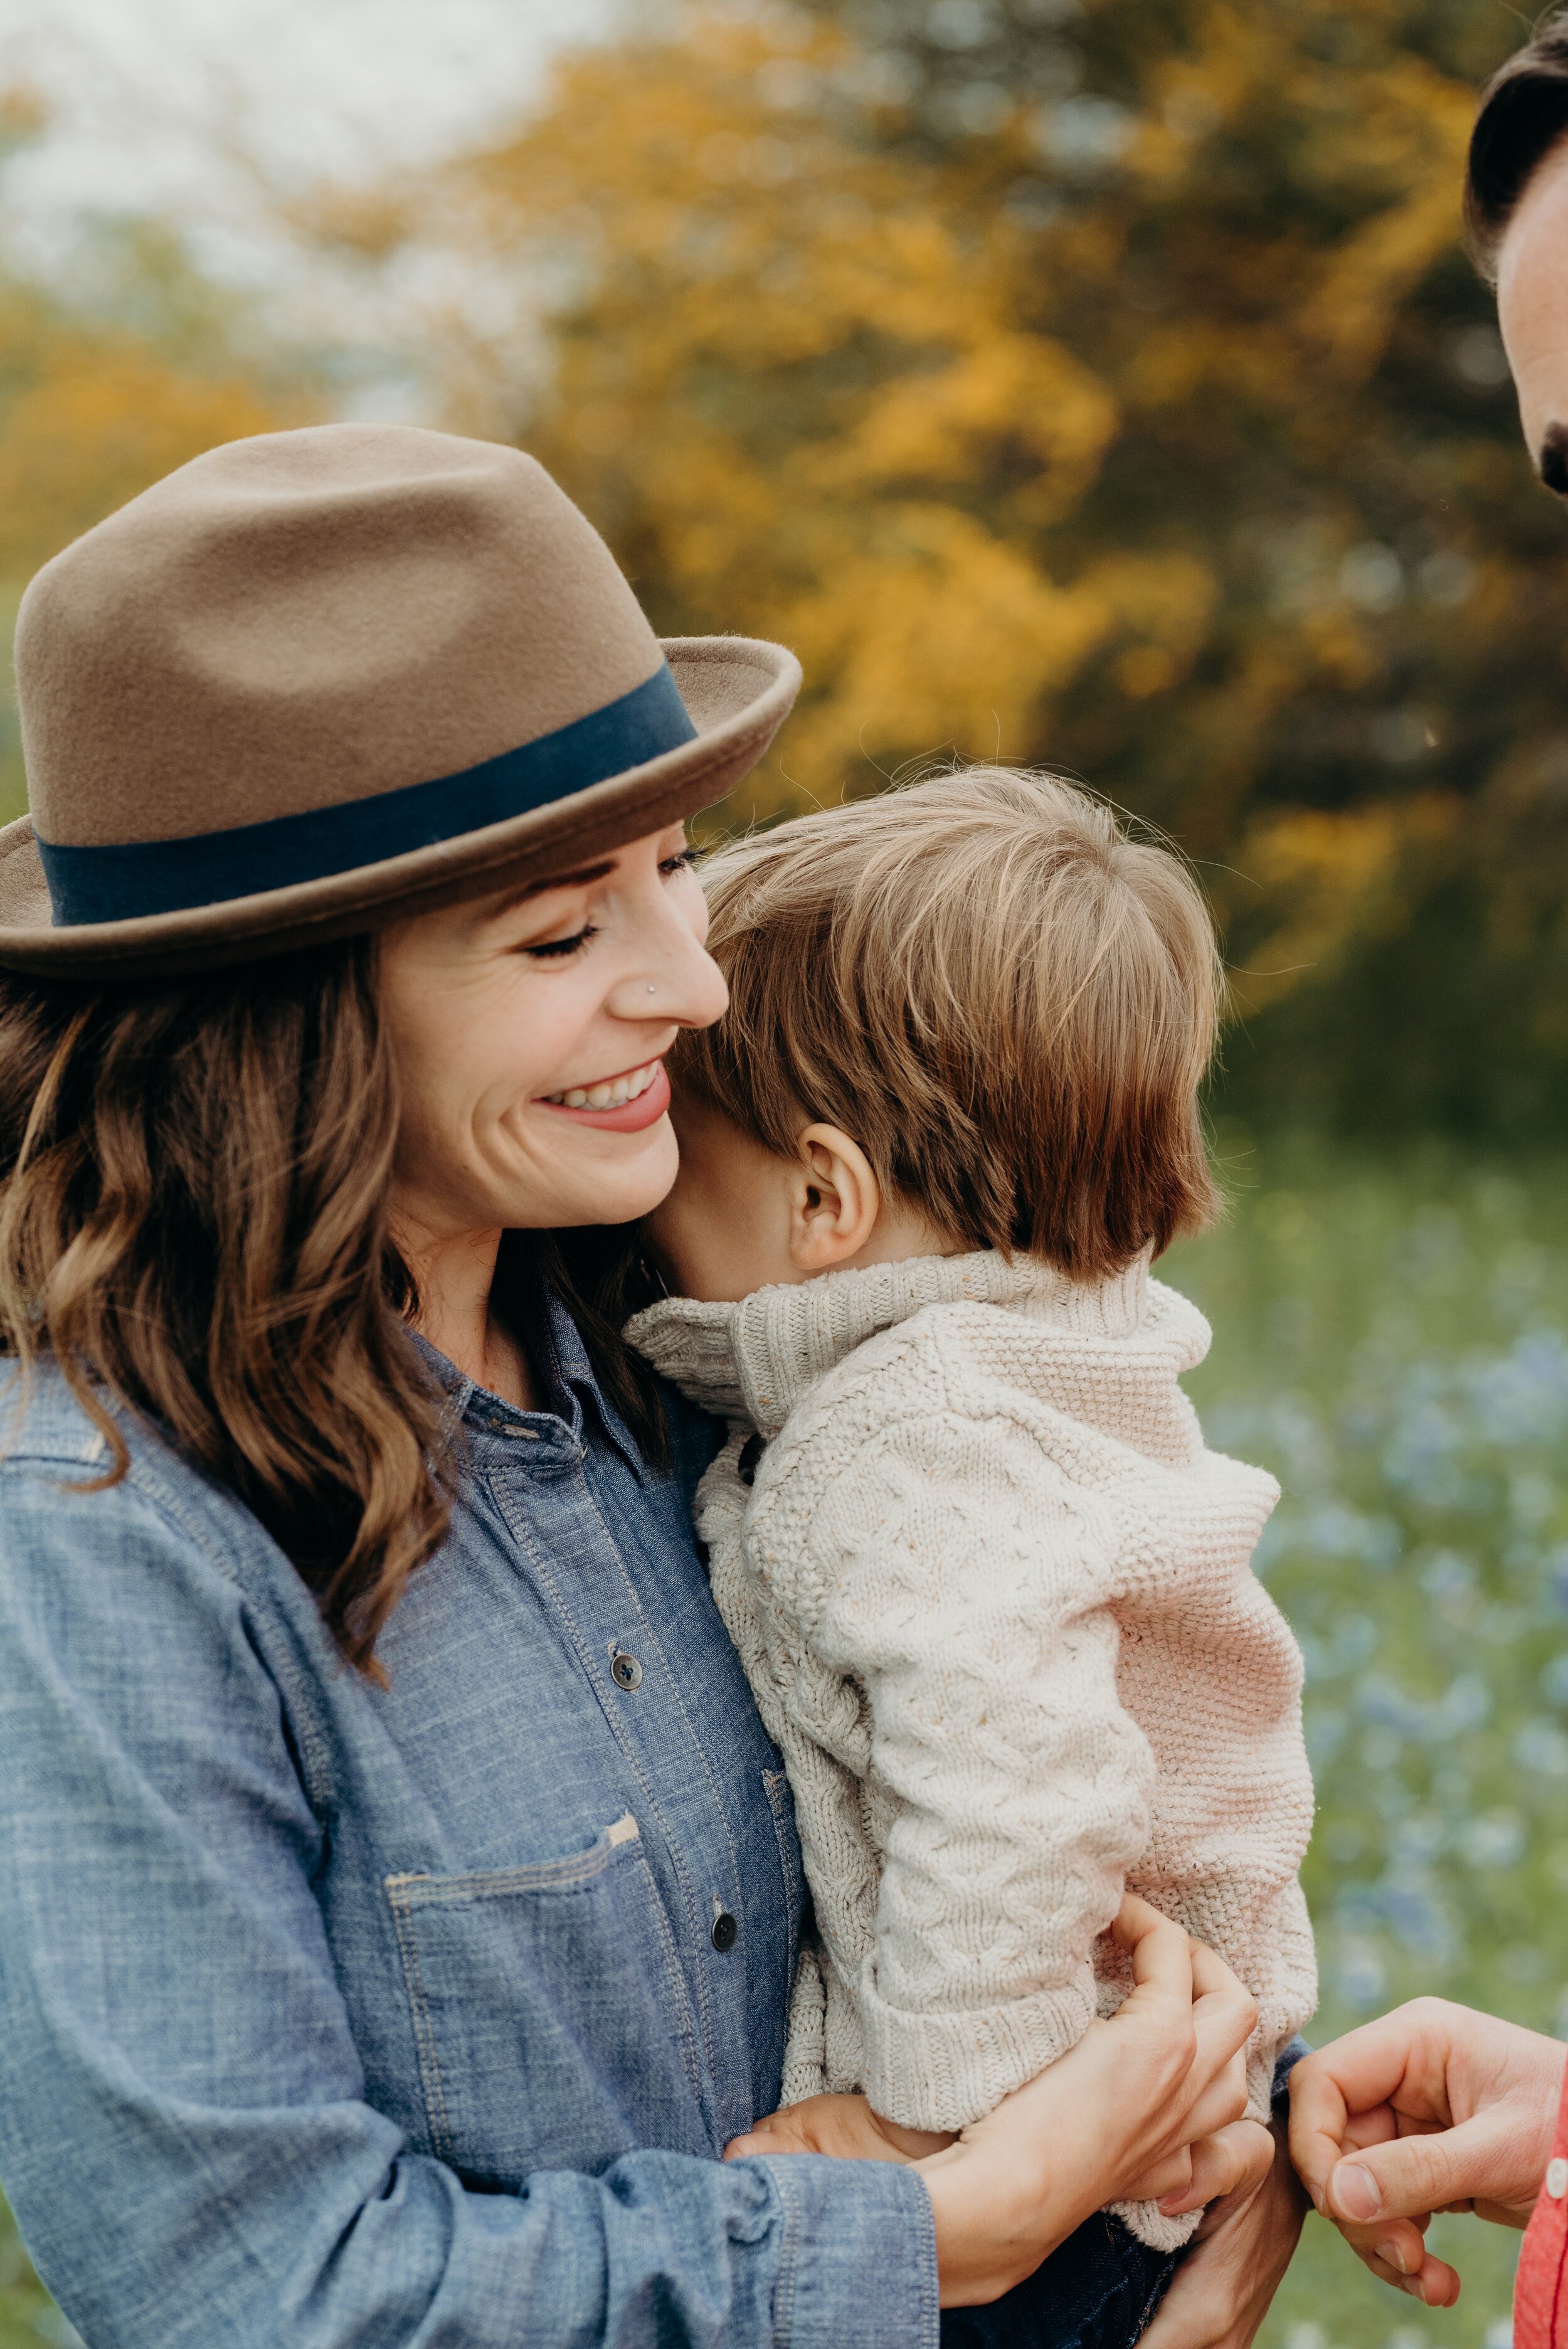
682	982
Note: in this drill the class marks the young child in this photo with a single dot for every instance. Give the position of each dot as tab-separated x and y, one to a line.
993	1593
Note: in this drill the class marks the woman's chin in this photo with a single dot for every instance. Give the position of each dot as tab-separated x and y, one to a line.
613	1178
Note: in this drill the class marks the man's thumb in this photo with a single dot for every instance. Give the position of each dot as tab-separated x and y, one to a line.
1412	2174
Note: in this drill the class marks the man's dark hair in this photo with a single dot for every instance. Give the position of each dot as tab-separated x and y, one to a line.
1523	115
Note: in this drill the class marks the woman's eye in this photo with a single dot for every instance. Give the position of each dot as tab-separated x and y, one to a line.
553	949
681	863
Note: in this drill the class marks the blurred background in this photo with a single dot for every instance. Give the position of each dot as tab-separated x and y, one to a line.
1094	383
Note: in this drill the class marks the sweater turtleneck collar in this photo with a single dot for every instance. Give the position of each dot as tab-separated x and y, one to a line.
754	1361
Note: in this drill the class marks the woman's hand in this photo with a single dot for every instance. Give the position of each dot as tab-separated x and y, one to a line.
1121	2110
1433	2108
1145	2104
1222	2290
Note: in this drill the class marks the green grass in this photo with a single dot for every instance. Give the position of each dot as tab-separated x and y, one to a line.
28	2317
1392	1339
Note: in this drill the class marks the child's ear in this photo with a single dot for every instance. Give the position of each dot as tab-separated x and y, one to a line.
834	1200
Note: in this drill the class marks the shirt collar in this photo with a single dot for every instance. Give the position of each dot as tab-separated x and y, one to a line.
558	1354
561	1362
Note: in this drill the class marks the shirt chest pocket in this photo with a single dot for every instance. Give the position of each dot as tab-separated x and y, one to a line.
551	2019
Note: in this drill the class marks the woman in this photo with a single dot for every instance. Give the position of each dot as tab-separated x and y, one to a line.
399	1894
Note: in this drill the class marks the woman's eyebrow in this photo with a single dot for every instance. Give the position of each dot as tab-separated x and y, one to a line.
584	873
499	907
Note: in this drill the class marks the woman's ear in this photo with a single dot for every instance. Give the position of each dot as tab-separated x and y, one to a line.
834	1200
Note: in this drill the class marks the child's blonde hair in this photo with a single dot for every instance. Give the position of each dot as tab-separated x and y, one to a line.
1008	1003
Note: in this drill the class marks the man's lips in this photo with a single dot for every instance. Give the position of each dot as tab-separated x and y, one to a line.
629	1116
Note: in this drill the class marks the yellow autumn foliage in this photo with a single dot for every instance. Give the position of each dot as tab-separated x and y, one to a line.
1094	434
95	425
798	374
90	416
1094	383
1335	879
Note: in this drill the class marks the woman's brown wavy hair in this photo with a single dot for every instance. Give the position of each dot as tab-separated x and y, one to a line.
194	1223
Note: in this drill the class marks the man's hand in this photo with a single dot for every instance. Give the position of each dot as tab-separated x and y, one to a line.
1433	2108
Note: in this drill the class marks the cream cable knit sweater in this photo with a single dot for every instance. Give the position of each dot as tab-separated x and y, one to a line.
995	1599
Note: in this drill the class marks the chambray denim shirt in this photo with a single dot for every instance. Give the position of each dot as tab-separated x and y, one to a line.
408	2018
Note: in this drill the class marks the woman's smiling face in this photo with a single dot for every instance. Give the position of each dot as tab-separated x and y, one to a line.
528	1029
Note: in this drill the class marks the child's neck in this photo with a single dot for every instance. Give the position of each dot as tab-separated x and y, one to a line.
899	1233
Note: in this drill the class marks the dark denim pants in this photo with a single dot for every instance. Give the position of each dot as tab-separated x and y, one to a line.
1098	2291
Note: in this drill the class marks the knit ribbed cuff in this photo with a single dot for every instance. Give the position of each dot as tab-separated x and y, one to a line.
942	2071
1148	2221
1260	2084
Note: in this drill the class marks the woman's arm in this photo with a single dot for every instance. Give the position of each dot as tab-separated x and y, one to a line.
183	2124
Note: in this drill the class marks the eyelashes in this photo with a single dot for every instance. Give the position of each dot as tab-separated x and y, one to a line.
562	949
556	950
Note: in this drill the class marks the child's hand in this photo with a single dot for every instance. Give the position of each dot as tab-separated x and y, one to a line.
844	2126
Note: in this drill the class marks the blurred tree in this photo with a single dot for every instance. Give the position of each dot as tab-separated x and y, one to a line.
1098	382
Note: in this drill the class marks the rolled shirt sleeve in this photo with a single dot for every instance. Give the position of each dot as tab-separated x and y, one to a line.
184	2129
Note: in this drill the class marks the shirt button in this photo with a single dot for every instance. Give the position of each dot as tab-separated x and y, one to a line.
725	1929
1557	2179
625	1670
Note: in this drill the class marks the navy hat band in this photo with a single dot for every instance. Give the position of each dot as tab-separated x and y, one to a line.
120	881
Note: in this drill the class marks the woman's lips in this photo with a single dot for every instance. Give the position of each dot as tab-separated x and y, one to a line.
631	1116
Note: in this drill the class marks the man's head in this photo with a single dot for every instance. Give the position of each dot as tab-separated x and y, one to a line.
1516	219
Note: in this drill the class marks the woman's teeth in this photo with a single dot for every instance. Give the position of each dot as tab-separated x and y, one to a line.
613	1095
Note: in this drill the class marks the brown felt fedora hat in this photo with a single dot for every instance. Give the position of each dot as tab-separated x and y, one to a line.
319	679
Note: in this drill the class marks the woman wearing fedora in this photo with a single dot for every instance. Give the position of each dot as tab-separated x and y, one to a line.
399	1896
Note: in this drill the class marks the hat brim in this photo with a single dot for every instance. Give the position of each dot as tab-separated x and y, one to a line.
737	692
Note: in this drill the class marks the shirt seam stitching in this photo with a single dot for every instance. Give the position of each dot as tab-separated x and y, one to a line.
691	1732
424	2034
629	1755
704	2015
292	1694
784	2308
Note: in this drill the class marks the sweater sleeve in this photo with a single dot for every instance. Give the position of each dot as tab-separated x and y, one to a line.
957	1576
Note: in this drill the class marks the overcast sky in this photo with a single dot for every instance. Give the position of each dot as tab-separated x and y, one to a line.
158	103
